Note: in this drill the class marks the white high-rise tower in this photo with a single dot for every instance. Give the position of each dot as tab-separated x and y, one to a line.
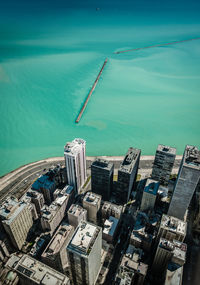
74	153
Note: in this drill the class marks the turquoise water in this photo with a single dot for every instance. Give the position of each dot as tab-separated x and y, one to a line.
49	59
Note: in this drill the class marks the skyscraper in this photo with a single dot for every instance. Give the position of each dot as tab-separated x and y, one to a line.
186	183
168	251
127	175
102	178
172	228
163	163
84	253
163	255
75	161
17	220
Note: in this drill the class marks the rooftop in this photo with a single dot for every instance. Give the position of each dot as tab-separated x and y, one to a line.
67	190
43	181
151	186
10	209
130	159
76	210
168	245
143	219
132	260
58	240
180	250
174	277
102	163
115	208
166	149
141	236
134	253
74	147
192	156
37	271
33	194
92	198
48	212
110	226
84	237
173	224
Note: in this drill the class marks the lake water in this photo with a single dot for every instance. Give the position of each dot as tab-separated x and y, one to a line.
50	55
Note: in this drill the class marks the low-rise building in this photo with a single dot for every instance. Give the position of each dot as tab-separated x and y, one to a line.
110	209
32	271
67	190
55	254
37	199
8	277
16	219
92	203
131	269
141	239
26	199
144	231
149	195
39	245
76	214
52	215
46	185
110	229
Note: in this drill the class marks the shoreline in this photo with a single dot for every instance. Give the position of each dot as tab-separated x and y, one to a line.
24	167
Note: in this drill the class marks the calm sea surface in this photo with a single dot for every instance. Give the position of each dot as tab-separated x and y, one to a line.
50	55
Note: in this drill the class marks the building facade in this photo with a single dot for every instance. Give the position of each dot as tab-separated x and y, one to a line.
168	252
127	175
163	163
76	214
109	209
55	254
149	195
37	199
186	183
46	185
17	220
110	229
84	253
92	203
102	178
131	270
75	161
172	228
52	215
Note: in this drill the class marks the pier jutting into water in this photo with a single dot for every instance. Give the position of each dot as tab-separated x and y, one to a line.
91	91
158	45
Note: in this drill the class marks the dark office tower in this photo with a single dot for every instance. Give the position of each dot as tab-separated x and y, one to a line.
163	163
127	175
102	178
186	183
